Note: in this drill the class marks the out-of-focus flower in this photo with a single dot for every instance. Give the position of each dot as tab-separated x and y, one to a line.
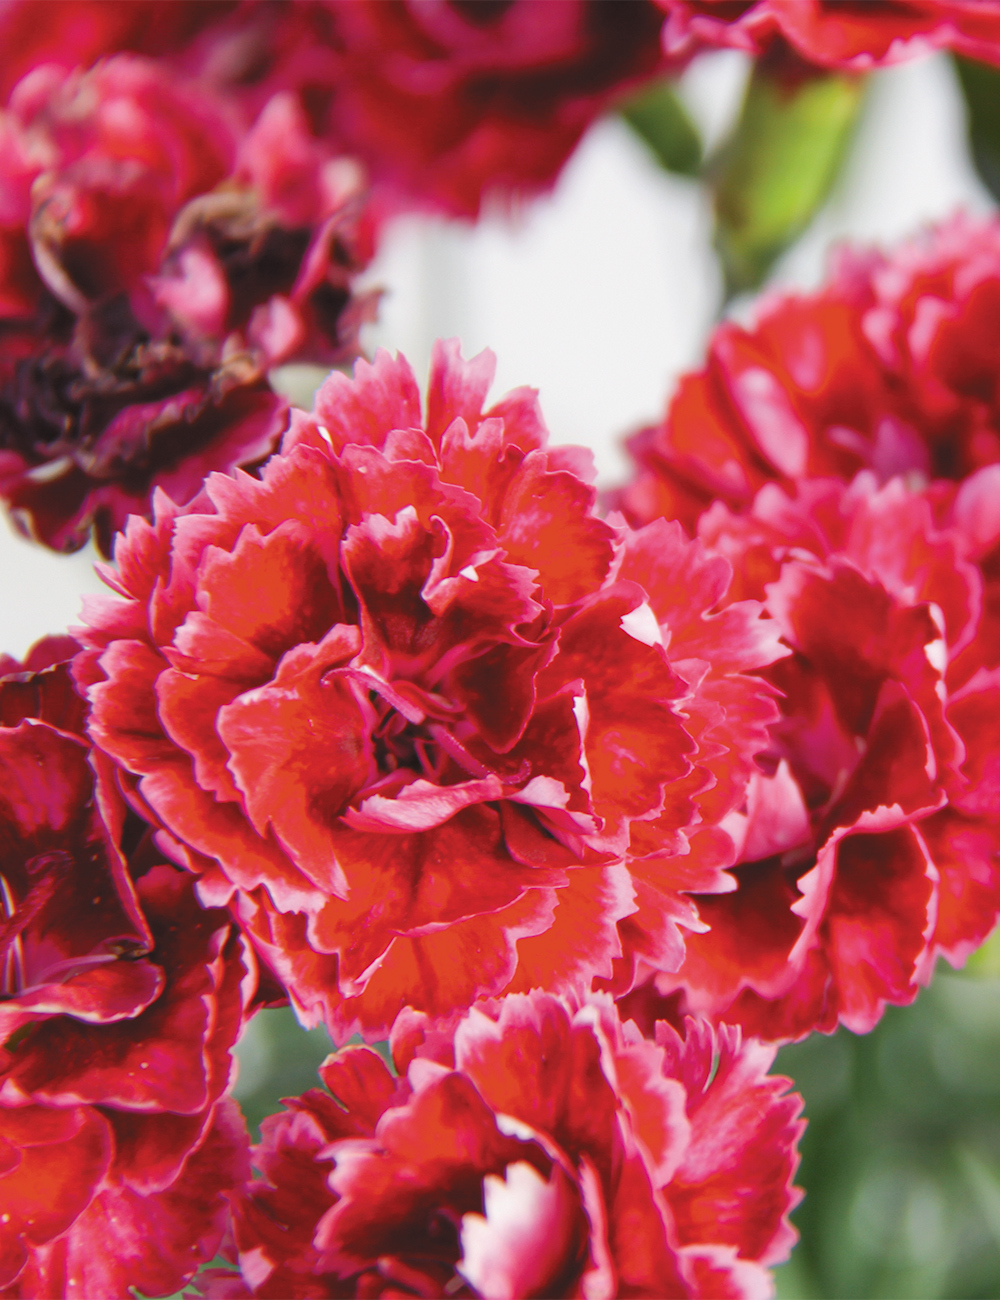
533	1149
870	842
410	698
75	33
892	366
450	104
122	999
832	34
154	263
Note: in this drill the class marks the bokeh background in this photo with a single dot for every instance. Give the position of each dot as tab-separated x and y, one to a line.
600	295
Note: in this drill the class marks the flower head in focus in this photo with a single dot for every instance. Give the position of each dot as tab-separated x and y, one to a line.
122	999
535	1148
155	261
407	702
869	843
891	366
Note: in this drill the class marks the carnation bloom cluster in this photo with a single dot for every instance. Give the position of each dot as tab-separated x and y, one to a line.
558	814
463	740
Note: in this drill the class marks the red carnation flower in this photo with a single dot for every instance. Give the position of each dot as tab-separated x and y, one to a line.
870	841
892	366
836	35
397	696
531	1150
75	33
685	848
152	267
122	999
448	103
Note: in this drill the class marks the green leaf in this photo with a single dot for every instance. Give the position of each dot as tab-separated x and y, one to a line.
662	121
985	1187
775	170
984	963
981	87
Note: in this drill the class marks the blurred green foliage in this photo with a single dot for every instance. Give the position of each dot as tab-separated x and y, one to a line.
981	88
278	1058
901	1160
778	165
773	172
659	118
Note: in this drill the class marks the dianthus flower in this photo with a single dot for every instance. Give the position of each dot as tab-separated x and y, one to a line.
831	34
410	698
891	366
449	104
870	841
75	33
153	265
533	1149
122	998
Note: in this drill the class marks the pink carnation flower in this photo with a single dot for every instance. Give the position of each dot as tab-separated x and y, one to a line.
153	265
408	703
533	1149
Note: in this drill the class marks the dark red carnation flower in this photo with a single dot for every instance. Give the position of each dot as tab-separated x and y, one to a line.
121	1001
410	698
450	103
858	34
75	33
42	687
892	366
535	1149
870	842
153	266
